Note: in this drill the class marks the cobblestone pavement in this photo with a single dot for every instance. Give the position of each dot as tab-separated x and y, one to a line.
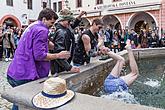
4	104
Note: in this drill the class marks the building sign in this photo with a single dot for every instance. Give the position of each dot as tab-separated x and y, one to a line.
115	5
112	5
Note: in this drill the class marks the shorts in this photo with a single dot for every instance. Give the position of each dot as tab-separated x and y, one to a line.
114	84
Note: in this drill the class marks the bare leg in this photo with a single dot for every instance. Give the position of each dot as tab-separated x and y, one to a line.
132	76
119	65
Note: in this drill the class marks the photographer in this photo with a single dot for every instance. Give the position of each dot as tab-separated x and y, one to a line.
8	44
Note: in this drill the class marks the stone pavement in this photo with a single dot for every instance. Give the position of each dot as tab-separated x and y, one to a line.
4	104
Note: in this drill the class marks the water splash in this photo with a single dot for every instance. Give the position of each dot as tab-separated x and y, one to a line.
121	96
153	83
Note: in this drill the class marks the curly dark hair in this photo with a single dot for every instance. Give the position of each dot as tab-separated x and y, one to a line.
48	14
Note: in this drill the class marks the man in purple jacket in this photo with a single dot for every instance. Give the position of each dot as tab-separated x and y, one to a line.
31	59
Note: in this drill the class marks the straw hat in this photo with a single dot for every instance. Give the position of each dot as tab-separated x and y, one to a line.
54	94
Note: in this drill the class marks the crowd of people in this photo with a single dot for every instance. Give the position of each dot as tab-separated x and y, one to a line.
9	38
116	39
113	38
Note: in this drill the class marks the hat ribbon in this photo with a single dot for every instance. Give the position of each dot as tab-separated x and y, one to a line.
53	96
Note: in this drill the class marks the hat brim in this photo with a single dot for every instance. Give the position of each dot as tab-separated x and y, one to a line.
66	18
43	102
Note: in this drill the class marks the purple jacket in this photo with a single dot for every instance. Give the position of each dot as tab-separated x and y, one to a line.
28	62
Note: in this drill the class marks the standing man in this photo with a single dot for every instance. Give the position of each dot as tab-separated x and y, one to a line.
64	40
8	44
88	43
31	60
110	31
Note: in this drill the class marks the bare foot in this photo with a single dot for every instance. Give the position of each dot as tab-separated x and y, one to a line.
128	47
128	42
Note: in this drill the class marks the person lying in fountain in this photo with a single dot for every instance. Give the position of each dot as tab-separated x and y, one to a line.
115	82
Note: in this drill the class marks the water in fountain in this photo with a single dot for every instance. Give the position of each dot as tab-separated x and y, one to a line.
148	89
121	96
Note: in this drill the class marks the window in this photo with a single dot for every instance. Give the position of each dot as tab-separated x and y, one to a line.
55	6
44	4
99	2
9	2
59	6
29	4
79	3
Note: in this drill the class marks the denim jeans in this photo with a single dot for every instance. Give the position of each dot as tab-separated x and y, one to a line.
15	83
7	52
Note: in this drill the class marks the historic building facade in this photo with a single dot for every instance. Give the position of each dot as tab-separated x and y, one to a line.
22	13
122	14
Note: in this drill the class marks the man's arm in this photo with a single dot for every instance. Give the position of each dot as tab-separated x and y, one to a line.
78	20
74	24
115	56
81	14
60	55
86	41
50	45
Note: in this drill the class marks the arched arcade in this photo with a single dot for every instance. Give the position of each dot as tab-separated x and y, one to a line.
10	20
142	20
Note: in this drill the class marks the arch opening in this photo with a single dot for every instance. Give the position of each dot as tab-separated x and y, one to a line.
112	21
10	20
142	21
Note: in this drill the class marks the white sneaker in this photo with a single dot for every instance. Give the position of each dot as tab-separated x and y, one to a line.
6	59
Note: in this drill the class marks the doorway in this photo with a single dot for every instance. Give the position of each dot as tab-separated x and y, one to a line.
140	25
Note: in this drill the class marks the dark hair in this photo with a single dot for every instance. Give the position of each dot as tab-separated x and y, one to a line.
98	21
48	14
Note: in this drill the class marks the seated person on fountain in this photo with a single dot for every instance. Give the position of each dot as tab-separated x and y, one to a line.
115	82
